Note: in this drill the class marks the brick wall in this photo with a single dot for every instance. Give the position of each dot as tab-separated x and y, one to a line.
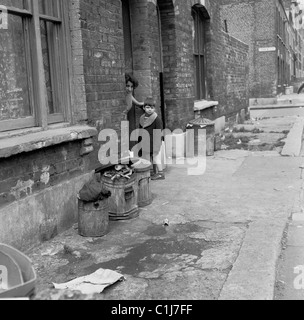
141	21
236	72
103	66
103	61
227	67
155	50
253	22
226	58
27	173
78	97
265	36
169	44
103	58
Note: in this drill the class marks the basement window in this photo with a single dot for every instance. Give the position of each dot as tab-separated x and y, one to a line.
34	87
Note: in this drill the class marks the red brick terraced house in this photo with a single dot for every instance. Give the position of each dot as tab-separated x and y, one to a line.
62	81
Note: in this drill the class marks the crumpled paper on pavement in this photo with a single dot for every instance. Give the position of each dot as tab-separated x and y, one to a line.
93	283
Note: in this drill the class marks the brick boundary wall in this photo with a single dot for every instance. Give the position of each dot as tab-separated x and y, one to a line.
236	73
253	22
25	174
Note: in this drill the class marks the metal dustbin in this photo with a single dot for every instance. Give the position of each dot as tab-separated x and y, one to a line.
124	197
143	177
209	138
93	218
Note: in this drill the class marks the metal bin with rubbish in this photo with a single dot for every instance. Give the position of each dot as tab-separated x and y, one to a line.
121	182
93	209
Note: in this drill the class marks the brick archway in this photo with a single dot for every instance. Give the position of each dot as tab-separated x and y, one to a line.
202	9
203	6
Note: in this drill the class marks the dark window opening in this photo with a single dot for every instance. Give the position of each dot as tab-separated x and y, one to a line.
199	54
127	32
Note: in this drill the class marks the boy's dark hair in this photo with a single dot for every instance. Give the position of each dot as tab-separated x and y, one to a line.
149	102
131	78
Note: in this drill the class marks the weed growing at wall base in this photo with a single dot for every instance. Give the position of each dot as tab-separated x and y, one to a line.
191	146
3	17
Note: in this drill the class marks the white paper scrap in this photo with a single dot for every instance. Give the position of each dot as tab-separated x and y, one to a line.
93	283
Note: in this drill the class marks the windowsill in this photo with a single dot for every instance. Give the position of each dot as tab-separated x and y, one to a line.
34	139
204	104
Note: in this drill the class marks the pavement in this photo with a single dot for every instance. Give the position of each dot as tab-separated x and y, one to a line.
223	240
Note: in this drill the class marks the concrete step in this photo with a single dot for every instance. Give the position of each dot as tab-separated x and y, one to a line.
292	100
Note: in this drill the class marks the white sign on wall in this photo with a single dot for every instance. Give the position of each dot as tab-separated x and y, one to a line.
267	49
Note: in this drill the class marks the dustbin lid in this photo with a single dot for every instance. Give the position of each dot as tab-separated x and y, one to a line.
142	165
200	122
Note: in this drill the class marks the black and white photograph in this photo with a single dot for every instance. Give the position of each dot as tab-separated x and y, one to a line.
151	153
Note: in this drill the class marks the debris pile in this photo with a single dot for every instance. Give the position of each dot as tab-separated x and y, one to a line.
120	171
93	191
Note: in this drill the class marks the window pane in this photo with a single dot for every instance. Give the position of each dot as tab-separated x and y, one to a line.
14	89
48	7
202	37
203	77
197	78
48	54
14	3
196	35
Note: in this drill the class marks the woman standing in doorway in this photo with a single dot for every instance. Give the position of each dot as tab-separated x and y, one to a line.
134	108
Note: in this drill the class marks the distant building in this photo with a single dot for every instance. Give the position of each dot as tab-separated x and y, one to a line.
271	29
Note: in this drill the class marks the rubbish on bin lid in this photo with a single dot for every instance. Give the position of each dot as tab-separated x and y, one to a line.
124	172
166	222
93	191
119	167
93	283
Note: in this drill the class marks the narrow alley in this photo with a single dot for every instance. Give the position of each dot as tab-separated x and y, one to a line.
217	222
151	150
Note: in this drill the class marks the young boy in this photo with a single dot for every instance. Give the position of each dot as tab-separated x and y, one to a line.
152	123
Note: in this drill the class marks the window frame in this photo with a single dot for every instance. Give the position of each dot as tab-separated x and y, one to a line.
35	69
199	54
